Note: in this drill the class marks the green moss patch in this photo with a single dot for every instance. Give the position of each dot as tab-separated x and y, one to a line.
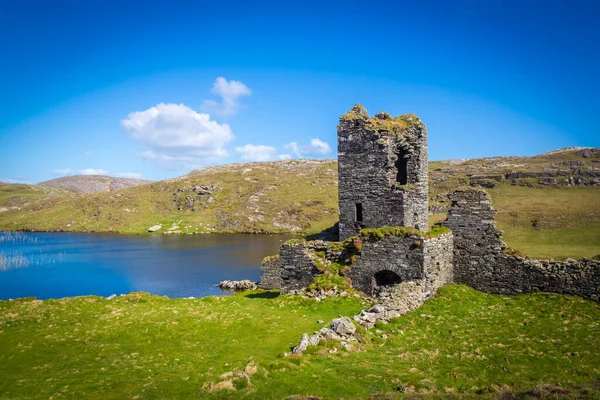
402	231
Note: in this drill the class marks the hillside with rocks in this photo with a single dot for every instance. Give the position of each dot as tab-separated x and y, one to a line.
550	201
92	183
284	196
569	167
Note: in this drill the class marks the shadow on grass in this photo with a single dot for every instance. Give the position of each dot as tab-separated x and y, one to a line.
331	234
263	295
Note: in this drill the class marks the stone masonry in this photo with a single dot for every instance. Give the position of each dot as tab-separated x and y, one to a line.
382	166
409	258
271	273
297	266
482	261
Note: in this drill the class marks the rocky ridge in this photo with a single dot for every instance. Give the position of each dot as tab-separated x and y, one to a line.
92	183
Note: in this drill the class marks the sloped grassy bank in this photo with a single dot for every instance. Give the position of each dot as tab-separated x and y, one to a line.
460	343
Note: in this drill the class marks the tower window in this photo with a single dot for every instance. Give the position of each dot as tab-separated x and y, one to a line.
359	212
402	167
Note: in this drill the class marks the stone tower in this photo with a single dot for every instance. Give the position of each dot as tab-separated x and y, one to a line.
382	165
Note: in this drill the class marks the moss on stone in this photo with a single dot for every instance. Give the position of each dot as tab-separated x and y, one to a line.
437	231
392	125
330	282
509	251
382	122
341	246
295	241
380	233
356	112
402	231
271	258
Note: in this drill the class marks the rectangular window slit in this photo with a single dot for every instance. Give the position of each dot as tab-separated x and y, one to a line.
359	212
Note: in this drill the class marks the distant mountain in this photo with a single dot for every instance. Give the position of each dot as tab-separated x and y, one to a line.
92	183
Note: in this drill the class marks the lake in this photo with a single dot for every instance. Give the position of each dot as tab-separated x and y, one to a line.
55	265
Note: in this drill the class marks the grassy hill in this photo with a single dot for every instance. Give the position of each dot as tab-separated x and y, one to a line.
148	347
547	205
14	196
286	196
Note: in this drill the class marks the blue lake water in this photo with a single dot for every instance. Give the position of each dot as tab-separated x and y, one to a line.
55	265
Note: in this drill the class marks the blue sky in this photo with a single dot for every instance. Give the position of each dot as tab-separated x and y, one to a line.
154	89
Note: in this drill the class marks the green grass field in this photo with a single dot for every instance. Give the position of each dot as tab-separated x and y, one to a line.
461	343
549	222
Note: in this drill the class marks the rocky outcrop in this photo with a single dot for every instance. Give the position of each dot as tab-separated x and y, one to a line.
92	183
192	198
237	286
341	329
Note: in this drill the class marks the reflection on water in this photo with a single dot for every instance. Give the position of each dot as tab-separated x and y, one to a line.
52	265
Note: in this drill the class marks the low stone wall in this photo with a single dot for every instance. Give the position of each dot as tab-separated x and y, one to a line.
480	261
515	275
271	273
297	266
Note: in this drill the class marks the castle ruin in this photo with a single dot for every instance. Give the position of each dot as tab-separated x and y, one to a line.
382	169
383	243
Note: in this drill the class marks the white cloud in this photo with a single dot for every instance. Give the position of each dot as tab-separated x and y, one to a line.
62	171
293	147
285	156
92	171
316	147
252	152
130	175
176	135
230	93
87	153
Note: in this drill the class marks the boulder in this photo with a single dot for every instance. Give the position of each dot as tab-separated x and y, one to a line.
314	339
154	228
302	345
237	286
343	326
329	334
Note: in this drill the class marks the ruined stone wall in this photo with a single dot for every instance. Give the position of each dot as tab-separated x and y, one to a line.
401	255
368	169
439	260
480	262
476	238
297	266
270	269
